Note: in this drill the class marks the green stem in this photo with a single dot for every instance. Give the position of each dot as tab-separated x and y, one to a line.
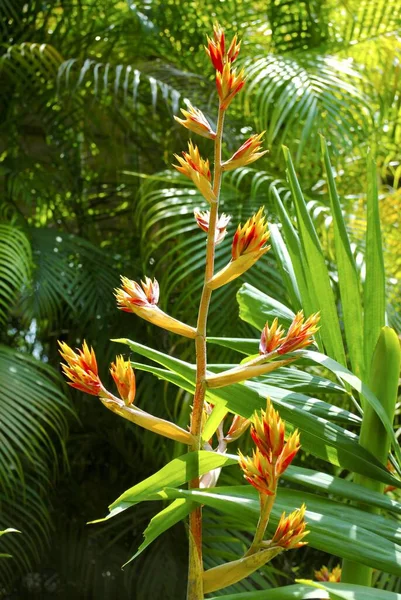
195	569
383	381
266	505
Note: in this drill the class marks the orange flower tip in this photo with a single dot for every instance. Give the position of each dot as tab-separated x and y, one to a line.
217	51
132	294
259	472
196	121
247	153
300	333
271	337
124	378
193	166
291	530
81	368
331	576
252	237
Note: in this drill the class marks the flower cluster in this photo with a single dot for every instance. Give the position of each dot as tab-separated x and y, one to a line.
333	576
124	378
249	244
216	49
246	154
272	455
193	166
81	369
196	121
291	530
132	296
299	335
251	238
142	300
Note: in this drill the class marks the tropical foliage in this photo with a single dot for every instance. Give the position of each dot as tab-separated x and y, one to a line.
87	97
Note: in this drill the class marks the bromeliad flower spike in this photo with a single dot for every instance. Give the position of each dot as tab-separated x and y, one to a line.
273	452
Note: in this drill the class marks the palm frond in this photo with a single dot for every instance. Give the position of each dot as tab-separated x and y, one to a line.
295	97
15	267
71	274
34	413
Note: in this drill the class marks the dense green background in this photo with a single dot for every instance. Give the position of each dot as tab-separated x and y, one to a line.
87	97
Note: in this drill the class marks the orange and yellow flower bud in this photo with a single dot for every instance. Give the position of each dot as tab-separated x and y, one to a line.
247	247
142	301
196	168
268	433
124	378
133	295
300	333
258	472
203	217
288	454
238	426
252	237
291	530
246	154
333	576
81	369
228	84
196	121
271	337
216	49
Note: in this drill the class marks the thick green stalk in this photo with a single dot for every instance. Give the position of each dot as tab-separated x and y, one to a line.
383	381
195	569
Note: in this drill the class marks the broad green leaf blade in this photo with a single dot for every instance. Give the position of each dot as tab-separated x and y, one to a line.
294	379
317	276
344	591
320	437
166	518
289	592
313	406
175	473
186	370
344	375
347	274
307	590
256	308
332	533
285	266
323	482
374	288
246	346
296	253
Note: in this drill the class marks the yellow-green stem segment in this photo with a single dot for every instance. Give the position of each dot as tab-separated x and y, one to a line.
266	505
195	568
383	381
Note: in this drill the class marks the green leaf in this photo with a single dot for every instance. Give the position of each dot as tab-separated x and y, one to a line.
175	473
344	375
317	276
288	592
374	288
285	266
344	591
335	533
323	482
348	278
296	253
323	591
256	308
166	518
